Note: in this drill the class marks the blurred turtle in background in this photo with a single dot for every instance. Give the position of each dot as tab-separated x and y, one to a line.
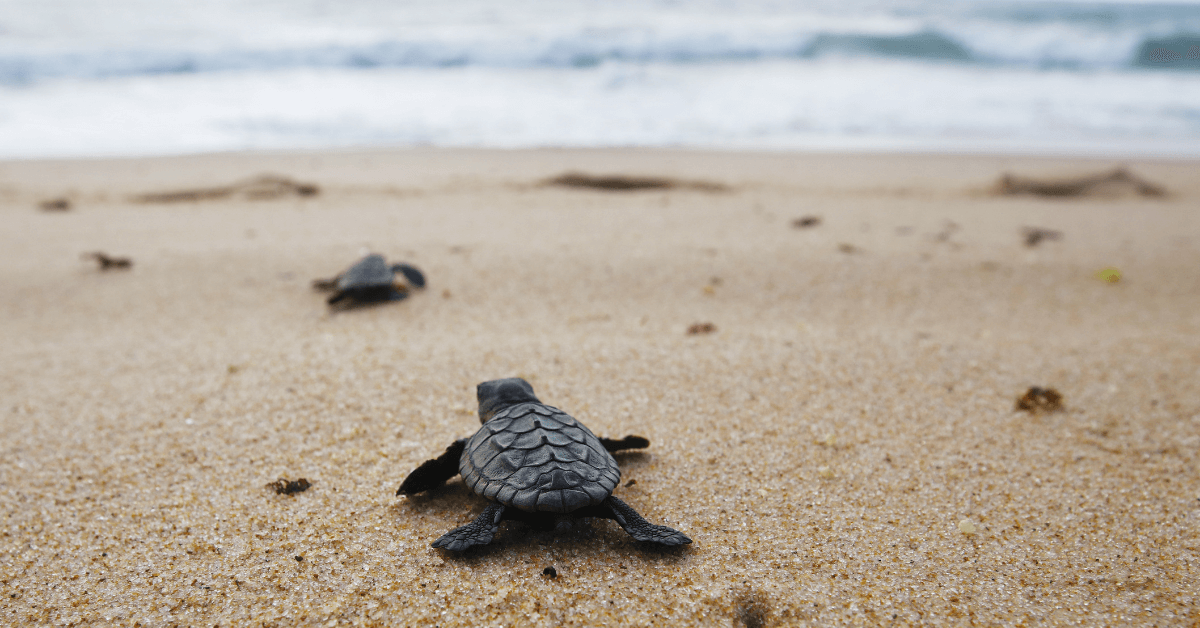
372	280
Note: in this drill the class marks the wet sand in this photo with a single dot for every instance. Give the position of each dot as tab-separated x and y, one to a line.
843	447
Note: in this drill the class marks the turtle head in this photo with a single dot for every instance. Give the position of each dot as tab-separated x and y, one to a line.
501	393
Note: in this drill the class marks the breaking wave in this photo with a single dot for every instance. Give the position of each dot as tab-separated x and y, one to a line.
978	45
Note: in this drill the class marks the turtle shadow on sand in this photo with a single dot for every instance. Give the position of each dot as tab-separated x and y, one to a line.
630	460
454	498
634	458
364	305
447	497
548	532
537	465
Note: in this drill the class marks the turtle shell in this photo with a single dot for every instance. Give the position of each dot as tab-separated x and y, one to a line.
370	272
539	459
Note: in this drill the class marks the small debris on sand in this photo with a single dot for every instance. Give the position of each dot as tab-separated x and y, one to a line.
1118	182
966	527
55	205
696	329
825	472
1036	235
630	483
848	248
1108	275
949	228
751	610
260	188
1037	400
806	222
624	183
284	486
550	572
107	262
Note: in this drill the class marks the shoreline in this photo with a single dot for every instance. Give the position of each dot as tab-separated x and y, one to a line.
1110	150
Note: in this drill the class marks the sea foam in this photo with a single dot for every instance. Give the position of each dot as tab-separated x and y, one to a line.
130	76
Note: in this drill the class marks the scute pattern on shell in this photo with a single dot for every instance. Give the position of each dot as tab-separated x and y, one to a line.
371	270
537	458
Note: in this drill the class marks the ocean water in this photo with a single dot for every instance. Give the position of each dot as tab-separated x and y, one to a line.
142	77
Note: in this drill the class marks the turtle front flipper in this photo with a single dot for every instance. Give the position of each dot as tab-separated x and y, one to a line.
414	276
433	473
640	529
629	442
326	285
478	532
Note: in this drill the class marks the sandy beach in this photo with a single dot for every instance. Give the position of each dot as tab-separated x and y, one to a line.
843	447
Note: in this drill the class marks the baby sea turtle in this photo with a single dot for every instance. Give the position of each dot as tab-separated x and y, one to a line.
372	279
533	461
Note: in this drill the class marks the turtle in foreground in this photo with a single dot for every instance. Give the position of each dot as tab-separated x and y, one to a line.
533	462
372	279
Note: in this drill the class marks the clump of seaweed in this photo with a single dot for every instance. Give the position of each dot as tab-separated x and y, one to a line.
1037	400
107	262
260	188
1036	235
1117	182
55	205
284	486
627	183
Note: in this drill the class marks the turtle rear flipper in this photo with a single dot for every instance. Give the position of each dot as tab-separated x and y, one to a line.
481	531
643	530
433	473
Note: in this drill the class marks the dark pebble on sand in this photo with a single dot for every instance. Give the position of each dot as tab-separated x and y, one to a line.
284	486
